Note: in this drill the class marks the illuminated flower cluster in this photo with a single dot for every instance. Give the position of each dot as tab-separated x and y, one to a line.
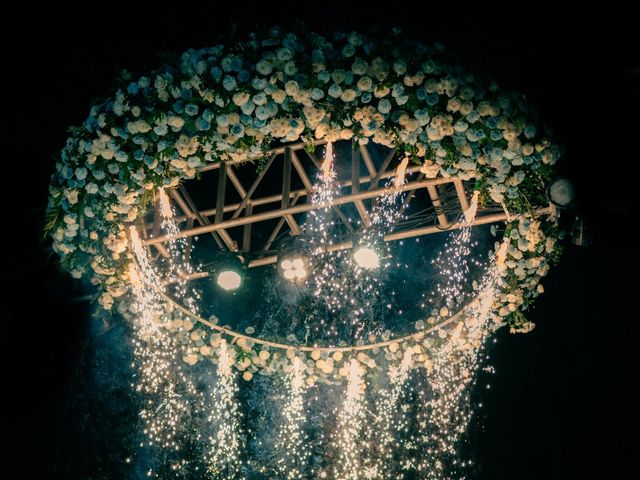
230	102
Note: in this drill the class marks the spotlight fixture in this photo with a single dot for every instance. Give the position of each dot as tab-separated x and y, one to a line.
229	271
293	261
366	258
561	193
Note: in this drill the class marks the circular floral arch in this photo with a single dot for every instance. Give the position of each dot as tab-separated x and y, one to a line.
232	102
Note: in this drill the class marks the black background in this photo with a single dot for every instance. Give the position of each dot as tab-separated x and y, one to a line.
560	405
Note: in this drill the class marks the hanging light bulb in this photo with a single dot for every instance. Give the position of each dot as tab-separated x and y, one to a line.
229	271
229	280
367	258
293	260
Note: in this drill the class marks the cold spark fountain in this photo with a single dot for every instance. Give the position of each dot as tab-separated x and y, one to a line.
371	417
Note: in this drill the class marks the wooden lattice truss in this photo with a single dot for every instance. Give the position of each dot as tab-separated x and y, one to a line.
230	221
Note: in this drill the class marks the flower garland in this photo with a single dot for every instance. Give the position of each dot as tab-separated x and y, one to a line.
231	102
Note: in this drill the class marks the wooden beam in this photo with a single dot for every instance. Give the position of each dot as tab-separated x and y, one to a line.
292	210
462	195
247	197
181	196
286	191
278	227
277	198
246	232
220	193
236	182
355	184
368	161
443	221
394	236
383	169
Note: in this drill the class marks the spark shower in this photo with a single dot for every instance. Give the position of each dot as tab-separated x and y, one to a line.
398	417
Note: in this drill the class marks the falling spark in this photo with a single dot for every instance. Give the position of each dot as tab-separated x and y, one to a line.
338	278
291	439
367	431
470	213
225	456
501	256
446	403
327	164
168	392
166	210
401	172
452	264
179	262
390	419
350	440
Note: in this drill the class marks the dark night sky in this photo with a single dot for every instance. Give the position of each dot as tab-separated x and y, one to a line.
561	398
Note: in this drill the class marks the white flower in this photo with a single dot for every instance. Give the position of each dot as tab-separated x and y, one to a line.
430	169
335	90
338	76
240	98
290	68
484	108
284	54
81	173
365	84
278	96
72	196
106	301
381	91
453	105
138	126
527	149
175	122
359	67
400	67
348	95
384	106
263	67
186	146
259	98
291	87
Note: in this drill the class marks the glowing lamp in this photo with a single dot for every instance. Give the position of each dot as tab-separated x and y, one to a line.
229	271
366	258
293	264
229	280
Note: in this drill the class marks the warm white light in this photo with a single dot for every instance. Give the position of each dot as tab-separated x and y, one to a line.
287	264
229	280
366	258
293	269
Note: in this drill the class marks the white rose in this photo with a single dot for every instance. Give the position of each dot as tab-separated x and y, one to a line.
348	95
240	98
365	84
278	96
